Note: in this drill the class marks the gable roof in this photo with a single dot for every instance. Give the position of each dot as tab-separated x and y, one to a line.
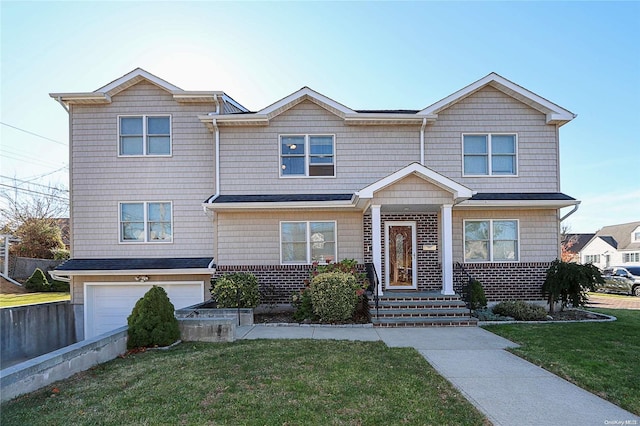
459	192
619	236
104	94
555	113
578	241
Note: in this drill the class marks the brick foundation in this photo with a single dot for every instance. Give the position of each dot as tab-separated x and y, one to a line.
506	281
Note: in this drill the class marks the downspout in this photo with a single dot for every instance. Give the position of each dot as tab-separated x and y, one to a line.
59	100
217	147
575	208
424	124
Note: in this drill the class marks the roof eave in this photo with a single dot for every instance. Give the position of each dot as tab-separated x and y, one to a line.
82	98
120	272
304	205
518	203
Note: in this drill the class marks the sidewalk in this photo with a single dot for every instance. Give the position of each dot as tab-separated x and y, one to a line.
506	388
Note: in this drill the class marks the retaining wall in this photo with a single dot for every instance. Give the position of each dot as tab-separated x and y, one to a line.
36	373
29	331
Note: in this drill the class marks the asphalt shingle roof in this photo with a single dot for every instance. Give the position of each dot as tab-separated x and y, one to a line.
279	198
120	264
522	196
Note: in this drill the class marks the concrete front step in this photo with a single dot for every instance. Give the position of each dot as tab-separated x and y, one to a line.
425	322
422	313
419	309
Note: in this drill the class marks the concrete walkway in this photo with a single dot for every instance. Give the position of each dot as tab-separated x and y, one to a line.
506	388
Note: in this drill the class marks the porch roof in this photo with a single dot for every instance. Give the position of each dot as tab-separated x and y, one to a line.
278	201
130	266
520	199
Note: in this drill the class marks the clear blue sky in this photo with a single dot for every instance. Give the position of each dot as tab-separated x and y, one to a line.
584	56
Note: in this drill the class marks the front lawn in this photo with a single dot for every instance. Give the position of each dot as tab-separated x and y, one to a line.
260	382
600	357
8	300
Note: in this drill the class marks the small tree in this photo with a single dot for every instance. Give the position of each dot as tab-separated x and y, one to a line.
152	321
39	239
569	283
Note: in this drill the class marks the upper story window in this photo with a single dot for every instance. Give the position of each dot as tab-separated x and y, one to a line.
489	154
146	222
633	257
491	240
144	135
636	235
307	242
307	155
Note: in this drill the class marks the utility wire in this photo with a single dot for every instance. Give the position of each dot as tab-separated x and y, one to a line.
34	134
32	178
35	192
35	184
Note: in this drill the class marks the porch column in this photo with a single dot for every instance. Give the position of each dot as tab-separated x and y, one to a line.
376	243
446	248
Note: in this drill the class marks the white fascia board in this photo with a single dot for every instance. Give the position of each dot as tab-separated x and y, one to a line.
139	72
196	96
305	91
555	204
118	272
458	190
303	205
386	118
235	119
493	77
82	97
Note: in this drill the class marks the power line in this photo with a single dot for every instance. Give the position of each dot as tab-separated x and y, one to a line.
32	178
27	159
34	134
35	184
35	192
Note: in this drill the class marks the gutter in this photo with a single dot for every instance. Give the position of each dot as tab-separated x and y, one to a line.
573	210
59	100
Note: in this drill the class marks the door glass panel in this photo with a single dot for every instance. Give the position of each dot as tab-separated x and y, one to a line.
400	256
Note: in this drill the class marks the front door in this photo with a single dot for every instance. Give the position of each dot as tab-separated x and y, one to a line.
400	255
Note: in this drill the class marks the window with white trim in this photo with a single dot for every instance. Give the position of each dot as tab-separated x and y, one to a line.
591	258
307	242
146	222
491	240
144	135
631	257
307	156
489	154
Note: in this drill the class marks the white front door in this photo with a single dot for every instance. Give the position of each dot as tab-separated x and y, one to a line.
401	271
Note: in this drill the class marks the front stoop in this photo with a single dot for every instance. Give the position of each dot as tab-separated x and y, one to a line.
419	309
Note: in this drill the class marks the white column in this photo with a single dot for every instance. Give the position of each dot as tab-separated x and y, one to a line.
446	249
376	243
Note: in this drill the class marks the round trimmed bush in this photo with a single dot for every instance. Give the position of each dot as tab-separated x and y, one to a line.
239	290
152	321
334	296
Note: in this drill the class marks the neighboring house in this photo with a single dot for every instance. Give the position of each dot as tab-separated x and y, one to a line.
615	245
165	181
572	244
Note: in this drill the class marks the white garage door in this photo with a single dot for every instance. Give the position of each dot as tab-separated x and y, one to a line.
107	305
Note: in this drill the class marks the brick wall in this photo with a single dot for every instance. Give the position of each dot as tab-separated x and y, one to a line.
429	268
506	281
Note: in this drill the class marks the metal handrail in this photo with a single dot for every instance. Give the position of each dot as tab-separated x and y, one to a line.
373	282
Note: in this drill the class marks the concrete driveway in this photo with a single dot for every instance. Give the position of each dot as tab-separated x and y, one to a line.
613	301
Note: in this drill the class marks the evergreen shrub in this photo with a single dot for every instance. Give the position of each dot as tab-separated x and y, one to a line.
152	321
521	311
334	296
37	282
238	290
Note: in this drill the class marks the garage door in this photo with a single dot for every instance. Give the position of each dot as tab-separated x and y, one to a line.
107	305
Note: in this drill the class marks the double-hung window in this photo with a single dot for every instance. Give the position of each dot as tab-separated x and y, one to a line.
144	135
491	240
489	154
146	222
307	242
307	155
631	257
591	258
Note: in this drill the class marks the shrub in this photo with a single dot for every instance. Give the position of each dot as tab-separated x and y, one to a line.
303	306
238	290
60	254
569	283
485	314
520	310
152	321
334	296
477	298
59	286
37	282
348	266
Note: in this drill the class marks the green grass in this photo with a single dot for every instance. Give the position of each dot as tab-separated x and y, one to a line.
603	358
261	382
8	300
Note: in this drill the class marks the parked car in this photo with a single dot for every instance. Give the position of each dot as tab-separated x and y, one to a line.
621	280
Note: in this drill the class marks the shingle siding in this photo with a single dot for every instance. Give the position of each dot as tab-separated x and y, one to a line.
100	179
